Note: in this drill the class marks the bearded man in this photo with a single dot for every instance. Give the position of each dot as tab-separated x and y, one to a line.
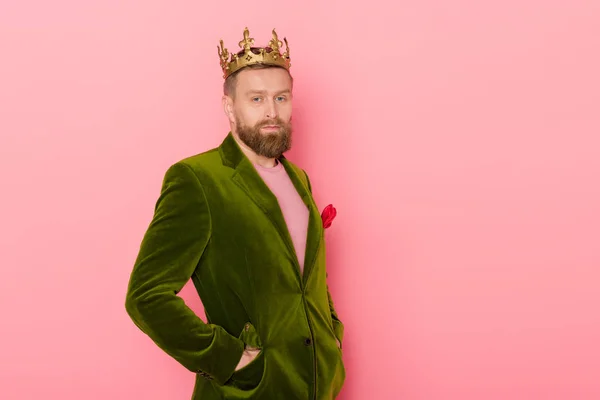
240	221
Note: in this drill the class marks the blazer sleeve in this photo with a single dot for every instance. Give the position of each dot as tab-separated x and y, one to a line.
338	326
169	253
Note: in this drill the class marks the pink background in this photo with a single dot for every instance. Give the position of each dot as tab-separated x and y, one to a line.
457	140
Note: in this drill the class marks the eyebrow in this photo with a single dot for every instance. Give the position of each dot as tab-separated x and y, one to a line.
265	92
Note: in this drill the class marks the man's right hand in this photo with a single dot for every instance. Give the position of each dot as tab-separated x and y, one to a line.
248	356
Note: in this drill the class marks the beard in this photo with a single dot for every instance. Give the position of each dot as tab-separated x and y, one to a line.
270	145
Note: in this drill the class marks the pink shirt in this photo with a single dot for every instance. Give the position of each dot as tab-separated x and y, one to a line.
293	208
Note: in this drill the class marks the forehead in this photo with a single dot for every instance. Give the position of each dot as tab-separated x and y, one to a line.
269	80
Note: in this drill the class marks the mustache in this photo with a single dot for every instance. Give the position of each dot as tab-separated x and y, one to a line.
274	121
277	122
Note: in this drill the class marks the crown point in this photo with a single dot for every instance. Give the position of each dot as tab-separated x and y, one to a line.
247	42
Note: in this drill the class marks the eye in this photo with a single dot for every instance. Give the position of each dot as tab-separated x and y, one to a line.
256	99
280	98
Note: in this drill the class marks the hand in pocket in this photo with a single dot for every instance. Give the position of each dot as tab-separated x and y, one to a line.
248	356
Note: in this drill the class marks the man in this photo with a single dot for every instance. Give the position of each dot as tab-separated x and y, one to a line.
240	221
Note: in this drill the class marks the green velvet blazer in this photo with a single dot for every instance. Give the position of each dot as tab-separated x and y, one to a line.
217	223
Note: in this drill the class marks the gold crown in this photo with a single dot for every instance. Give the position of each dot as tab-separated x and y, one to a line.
249	55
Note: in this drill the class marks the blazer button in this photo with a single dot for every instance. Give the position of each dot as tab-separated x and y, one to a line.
307	341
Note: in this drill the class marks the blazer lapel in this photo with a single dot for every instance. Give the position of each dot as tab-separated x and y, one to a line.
248	179
315	225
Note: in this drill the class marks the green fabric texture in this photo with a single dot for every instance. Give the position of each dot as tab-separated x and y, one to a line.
217	223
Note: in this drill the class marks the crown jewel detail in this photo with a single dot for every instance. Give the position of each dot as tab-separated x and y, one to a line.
270	55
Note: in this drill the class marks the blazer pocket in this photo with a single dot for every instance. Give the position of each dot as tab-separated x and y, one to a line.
250	376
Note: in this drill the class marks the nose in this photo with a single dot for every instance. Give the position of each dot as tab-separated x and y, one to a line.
271	110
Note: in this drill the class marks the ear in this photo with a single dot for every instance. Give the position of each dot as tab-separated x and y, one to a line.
228	108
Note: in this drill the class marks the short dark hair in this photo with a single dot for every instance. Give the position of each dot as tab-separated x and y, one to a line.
231	80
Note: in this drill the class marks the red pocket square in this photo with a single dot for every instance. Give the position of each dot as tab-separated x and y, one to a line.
328	215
